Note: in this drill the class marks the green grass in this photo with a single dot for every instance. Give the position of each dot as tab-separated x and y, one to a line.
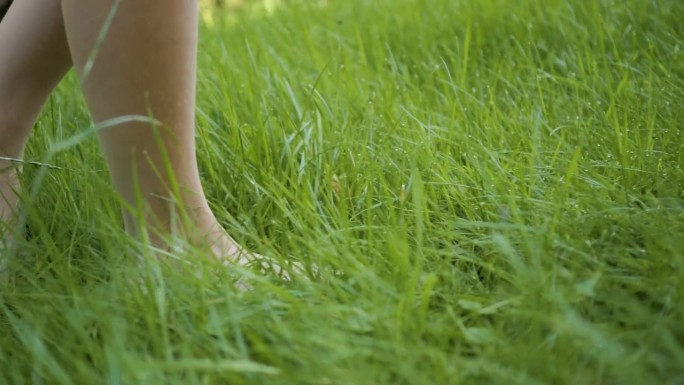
493	191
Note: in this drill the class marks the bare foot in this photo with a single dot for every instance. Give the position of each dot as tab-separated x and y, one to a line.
226	250
230	253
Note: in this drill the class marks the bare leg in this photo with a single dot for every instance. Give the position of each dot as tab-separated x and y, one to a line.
146	66
34	56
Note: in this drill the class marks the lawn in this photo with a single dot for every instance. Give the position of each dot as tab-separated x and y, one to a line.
491	192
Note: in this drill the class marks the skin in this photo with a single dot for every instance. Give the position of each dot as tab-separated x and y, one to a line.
145	66
35	57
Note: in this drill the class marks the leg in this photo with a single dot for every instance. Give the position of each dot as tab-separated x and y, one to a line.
35	56
146	66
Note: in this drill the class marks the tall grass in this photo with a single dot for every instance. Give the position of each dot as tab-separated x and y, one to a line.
492	191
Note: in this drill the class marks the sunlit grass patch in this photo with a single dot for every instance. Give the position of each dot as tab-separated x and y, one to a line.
492	192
